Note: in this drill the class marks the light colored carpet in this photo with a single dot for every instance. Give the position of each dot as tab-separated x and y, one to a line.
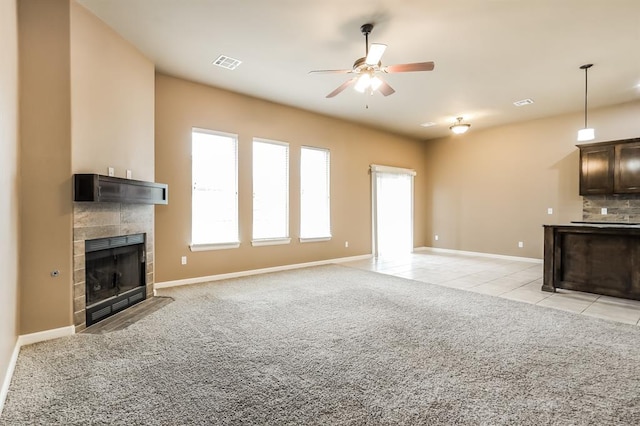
334	345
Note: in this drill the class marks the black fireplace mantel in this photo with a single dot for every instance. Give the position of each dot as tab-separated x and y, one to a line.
100	188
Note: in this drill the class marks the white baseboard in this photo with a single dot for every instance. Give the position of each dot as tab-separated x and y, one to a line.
196	280
28	339
479	254
8	376
41	336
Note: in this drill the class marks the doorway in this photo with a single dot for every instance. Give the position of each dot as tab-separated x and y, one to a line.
392	211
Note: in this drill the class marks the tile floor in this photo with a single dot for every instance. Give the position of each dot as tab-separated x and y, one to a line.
511	279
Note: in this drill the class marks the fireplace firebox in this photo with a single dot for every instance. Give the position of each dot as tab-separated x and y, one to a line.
115	279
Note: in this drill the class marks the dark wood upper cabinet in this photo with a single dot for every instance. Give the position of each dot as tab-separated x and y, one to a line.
610	167
99	188
596	170
627	167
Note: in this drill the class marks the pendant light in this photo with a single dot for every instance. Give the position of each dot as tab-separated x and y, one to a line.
459	127
586	134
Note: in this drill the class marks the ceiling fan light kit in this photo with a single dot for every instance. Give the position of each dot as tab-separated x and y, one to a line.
366	69
587	133
459	127
366	81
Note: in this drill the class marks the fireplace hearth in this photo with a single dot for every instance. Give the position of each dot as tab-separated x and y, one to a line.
115	279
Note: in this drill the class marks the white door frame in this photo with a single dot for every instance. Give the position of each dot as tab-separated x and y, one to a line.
374	170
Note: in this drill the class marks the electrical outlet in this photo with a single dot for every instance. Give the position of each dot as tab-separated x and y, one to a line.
603	210
111	171
550	210
184	260
436	237
520	244
346	243
128	174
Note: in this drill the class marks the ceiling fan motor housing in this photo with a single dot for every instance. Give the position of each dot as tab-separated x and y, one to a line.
361	65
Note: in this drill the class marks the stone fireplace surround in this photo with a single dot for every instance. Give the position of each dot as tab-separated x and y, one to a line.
99	220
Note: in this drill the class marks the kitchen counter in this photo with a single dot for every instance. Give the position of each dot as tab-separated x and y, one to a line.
594	257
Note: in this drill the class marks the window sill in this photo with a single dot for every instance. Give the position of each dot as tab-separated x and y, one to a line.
314	239
270	242
214	246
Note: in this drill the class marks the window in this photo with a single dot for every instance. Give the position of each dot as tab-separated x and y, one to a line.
214	202
315	222
270	192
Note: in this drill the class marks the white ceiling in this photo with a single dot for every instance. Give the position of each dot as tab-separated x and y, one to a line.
488	53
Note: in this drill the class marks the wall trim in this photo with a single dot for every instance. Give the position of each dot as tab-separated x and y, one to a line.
24	340
196	280
41	336
477	253
4	391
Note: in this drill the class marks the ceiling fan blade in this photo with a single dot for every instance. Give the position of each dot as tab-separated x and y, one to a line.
375	53
418	66
330	71
385	89
341	87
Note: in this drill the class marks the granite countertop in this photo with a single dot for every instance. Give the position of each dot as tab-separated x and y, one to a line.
585	224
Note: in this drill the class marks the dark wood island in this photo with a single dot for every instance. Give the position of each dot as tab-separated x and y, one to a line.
593	257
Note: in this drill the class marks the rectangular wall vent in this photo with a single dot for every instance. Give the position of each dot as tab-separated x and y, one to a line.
227	62
523	102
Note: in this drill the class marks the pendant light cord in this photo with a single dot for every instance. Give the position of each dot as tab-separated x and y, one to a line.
586	86
586	67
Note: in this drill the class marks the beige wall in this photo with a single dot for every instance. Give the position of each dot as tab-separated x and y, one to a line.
489	189
45	165
181	105
8	183
112	94
86	104
112	104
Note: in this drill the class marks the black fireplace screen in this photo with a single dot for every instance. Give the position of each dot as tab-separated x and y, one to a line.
115	270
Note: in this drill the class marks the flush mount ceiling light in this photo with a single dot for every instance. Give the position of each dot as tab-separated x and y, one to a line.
459	127
586	134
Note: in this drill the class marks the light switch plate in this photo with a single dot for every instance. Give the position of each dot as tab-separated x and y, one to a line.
111	171
550	210
603	210
128	174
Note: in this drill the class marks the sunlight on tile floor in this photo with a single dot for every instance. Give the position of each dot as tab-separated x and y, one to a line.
511	279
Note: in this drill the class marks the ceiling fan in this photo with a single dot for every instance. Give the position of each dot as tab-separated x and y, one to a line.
366	69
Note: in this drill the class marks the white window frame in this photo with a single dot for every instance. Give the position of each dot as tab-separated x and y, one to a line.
256	242
226	244
316	238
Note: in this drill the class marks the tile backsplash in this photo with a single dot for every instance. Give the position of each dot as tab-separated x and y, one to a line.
620	208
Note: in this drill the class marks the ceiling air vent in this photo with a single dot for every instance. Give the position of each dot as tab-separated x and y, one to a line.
227	62
523	102
428	124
